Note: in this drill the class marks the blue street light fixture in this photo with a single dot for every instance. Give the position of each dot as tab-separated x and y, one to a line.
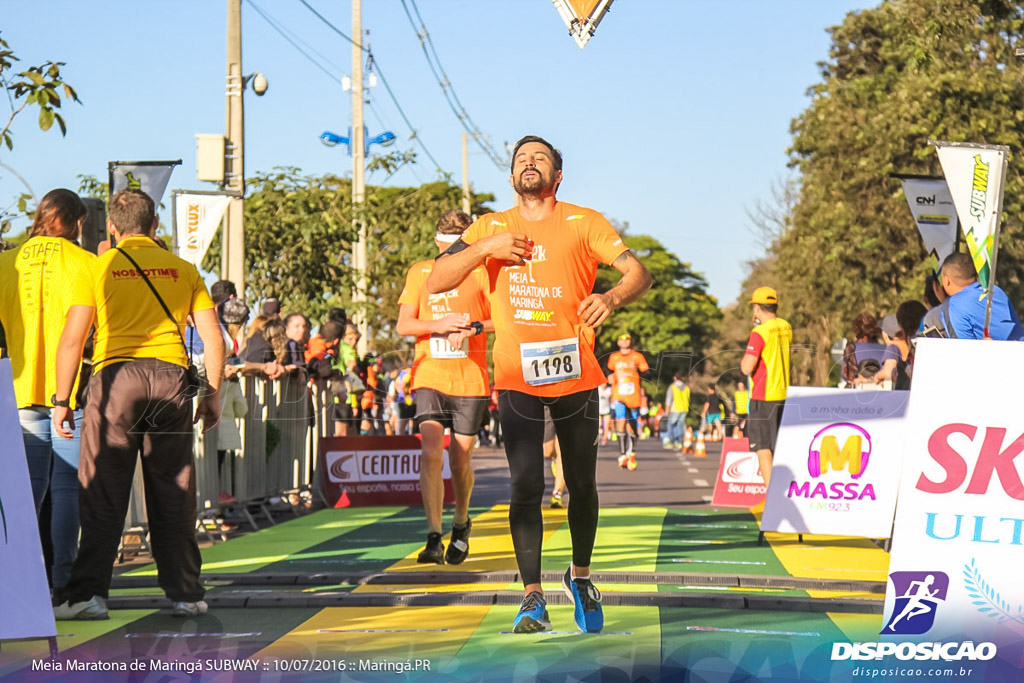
385	139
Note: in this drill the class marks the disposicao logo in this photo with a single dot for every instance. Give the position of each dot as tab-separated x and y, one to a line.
918	595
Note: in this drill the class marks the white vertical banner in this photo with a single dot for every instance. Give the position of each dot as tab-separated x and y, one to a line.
975	175
196	219
25	597
958	541
149	176
934	213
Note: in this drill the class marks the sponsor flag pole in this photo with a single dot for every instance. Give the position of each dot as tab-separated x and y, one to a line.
976	174
932	209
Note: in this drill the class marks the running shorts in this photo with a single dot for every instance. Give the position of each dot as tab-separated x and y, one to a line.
763	424
622	412
461	414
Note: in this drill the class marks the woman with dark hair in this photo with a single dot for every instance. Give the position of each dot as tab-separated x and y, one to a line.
865	356
34	302
909	316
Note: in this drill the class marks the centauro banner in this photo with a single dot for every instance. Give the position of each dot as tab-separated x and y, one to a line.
934	214
975	175
196	218
837	463
149	176
24	594
955	568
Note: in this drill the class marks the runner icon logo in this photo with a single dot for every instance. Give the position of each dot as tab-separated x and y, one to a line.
918	595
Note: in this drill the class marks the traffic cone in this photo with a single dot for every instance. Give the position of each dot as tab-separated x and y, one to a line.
700	451
688	441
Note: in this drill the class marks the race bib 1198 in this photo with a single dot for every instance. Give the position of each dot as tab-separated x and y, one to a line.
440	348
549	362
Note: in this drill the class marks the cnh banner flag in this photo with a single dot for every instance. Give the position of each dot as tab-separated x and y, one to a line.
955	568
933	211
975	175
196	218
149	176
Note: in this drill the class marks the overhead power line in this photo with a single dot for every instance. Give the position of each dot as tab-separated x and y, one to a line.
447	89
380	74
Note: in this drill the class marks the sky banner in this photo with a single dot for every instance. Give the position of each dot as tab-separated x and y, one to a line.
975	175
581	17
837	463
196	219
954	573
149	176
934	214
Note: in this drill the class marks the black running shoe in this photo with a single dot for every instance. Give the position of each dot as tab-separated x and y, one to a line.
434	552
458	546
533	615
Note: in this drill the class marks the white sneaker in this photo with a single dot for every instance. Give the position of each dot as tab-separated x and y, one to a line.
93	609
189	609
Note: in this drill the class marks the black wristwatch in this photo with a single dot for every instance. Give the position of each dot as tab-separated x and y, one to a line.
66	403
478	326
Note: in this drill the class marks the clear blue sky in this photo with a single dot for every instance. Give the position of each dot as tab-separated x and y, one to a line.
674	118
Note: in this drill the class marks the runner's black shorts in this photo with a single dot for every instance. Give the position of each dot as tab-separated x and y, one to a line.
763	421
461	414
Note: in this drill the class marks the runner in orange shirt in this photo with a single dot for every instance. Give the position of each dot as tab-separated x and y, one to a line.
626	365
449	376
541	257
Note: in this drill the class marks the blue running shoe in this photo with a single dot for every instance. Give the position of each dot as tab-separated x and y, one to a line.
587	599
533	615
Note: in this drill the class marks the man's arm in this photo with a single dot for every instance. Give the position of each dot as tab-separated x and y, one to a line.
454	265
69	359
208	328
748	364
635	280
409	325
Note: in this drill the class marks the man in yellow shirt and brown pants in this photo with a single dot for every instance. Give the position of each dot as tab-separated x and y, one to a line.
139	401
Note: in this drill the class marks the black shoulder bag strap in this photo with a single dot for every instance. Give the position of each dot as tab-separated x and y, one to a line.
193	372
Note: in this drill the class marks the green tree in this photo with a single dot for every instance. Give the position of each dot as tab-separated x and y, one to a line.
300	235
38	86
674	322
897	76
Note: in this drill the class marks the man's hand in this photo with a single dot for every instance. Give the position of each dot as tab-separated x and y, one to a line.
595	309
62	416
273	370
208	411
455	339
453	322
512	248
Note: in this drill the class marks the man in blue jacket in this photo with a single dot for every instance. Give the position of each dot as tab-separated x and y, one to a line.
967	302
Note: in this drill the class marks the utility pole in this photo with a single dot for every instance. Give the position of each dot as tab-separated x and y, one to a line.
466	206
358	180
233	232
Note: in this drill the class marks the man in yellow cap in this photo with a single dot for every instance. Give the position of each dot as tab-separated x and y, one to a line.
767	363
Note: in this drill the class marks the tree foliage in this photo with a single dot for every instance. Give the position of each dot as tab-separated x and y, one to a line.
299	235
673	322
897	76
40	86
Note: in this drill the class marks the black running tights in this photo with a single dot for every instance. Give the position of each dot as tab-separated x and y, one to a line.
576	424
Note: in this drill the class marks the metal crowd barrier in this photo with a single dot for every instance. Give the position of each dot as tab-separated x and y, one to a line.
292	408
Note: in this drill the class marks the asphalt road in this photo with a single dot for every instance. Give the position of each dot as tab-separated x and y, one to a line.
663	477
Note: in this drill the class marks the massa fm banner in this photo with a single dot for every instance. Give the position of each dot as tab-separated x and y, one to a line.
837	462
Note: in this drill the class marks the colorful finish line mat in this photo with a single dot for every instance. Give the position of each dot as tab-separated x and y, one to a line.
460	641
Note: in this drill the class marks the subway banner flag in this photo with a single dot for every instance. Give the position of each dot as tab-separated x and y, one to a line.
955	568
837	463
975	175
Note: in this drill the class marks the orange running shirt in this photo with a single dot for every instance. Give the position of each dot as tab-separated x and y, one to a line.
437	366
541	347
627	368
